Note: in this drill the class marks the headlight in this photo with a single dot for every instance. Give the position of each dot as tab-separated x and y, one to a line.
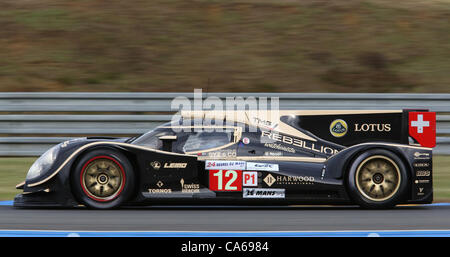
43	163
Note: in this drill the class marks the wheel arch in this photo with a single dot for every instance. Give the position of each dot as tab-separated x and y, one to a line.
395	150
128	154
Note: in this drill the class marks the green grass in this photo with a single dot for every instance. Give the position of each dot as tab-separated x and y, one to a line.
14	170
441	178
235	45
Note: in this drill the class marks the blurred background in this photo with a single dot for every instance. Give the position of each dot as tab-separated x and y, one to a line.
225	46
355	46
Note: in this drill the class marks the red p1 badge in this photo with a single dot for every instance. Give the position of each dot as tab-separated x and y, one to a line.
422	127
250	178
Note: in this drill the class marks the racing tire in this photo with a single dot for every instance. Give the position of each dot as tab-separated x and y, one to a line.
103	179
377	179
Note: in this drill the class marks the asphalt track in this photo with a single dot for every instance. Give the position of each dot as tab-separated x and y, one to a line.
288	219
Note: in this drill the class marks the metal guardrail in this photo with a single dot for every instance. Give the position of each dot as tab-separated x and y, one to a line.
22	129
146	102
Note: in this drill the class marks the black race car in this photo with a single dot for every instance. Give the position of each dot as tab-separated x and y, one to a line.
375	159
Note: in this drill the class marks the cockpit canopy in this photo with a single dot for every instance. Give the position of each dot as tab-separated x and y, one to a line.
190	138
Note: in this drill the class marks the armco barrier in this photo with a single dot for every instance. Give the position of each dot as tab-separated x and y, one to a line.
26	131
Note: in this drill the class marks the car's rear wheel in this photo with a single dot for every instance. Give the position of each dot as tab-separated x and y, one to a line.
377	179
102	179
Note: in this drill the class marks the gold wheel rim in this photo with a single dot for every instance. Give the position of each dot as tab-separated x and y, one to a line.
378	178
102	179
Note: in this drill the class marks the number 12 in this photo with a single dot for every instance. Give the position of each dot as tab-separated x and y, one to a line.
225	180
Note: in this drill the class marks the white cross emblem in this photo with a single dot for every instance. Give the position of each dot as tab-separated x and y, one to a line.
420	123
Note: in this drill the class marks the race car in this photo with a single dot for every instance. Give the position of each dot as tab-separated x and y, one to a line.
371	158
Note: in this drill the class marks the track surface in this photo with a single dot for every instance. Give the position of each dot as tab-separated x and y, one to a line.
227	219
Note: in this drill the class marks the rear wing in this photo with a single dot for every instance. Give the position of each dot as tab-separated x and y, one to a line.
410	127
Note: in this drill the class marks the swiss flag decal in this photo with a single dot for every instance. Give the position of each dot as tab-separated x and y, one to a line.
422	127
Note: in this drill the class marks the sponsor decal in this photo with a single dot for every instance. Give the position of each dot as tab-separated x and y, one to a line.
221	154
338	128
420	193
175	165
160	190
262	166
288	180
373	127
421	164
227	165
155	165
423	173
422	127
422	181
280	147
246	140
417	154
421	156
263	193
189	188
295	142
269	179
264	123
225	180
294	180
168	165
250	178
273	154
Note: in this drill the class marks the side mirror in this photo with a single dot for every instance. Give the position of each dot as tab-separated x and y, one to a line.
167	142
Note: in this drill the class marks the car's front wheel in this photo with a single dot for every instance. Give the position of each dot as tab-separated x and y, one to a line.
377	179
102	179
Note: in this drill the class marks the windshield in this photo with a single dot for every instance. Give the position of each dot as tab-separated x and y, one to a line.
198	141
151	138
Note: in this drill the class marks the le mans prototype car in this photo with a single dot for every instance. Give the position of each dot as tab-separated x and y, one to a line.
374	159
